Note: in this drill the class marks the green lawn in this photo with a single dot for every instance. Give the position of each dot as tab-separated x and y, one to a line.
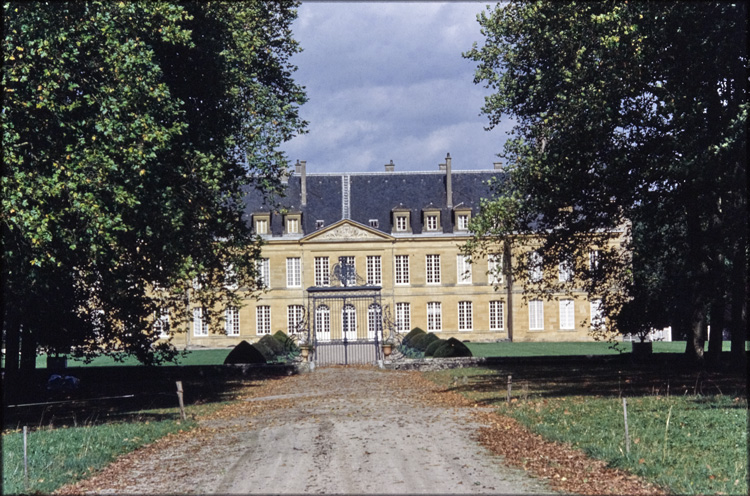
506	349
193	357
703	450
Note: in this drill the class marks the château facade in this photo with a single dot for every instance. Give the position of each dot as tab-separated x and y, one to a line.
401	233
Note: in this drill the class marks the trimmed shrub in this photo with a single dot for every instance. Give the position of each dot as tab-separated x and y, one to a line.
452	348
412	334
244	352
270	347
430	350
287	342
422	341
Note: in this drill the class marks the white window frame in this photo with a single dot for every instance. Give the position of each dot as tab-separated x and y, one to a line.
322	272
402	223
374	321
293	272
232	321
565	270
536	315
536	270
200	324
594	256
465	316
374	270
350	261
264	272
161	322
292	225
495	268
349	322
294	316
262	320
401	263
434	316
261	225
463	269
432	269
462	222
403	316
323	323
567	314
431	222
497	315
596	314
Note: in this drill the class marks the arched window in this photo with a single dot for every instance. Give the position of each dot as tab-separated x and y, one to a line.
323	323
349	322
374	322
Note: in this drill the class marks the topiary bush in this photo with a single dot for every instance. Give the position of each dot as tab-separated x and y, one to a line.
452	348
412	334
430	350
244	352
422	341
288	343
270	347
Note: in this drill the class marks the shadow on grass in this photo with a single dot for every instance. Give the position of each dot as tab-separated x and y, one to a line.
125	394
606	376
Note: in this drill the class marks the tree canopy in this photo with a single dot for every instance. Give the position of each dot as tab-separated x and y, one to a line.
131	133
629	117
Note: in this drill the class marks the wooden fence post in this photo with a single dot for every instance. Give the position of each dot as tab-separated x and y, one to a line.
510	382
625	413
25	461
179	397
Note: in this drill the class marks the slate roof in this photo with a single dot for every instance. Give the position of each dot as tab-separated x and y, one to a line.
374	195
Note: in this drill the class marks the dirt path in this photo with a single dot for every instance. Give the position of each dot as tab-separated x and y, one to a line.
337	430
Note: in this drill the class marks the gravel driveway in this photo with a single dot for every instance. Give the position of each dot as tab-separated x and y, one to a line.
336	430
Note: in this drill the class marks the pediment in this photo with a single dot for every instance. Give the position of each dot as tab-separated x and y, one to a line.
347	230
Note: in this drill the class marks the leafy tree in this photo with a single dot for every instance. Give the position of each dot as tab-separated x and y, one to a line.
131	133
630	120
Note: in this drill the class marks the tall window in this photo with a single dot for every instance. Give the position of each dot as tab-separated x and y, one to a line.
348	273
565	270
374	273
349	322
322	271
463	265
264	272
594	260
161	322
567	314
403	317
434	316
293	272
535	266
263	320
402	269
497	315
597	314
323	323
292	225
374	319
261	226
294	315
433	269
465	322
401	223
536	315
230	278
200	323
232	321
495	268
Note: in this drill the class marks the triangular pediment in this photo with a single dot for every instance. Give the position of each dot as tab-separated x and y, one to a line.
347	230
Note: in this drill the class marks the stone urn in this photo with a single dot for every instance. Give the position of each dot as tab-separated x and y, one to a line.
387	349
305	350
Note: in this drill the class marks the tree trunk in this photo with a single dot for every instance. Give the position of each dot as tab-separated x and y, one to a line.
695	338
12	346
716	337
28	349
739	321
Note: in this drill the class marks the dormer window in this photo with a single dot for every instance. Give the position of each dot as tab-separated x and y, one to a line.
374	223
401	221
262	223
292	224
462	216
432	220
319	224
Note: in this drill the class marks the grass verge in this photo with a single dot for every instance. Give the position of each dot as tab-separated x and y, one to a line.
508	349
690	443
59	456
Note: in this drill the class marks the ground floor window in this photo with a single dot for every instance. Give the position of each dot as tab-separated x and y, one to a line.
567	315
465	322
263	320
323	323
161	322
434	316
536	315
294	316
200	323
374	319
497	316
232	321
403	317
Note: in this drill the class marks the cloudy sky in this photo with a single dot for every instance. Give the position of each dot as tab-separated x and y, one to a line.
386	81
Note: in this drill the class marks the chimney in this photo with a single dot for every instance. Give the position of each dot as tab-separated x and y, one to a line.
390	167
498	165
448	182
301	168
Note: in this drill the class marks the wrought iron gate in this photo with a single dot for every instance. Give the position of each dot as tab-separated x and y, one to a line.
345	321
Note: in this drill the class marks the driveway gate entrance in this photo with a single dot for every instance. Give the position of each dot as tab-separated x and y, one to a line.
345	322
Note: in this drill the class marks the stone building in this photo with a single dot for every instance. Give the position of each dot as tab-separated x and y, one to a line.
384	250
